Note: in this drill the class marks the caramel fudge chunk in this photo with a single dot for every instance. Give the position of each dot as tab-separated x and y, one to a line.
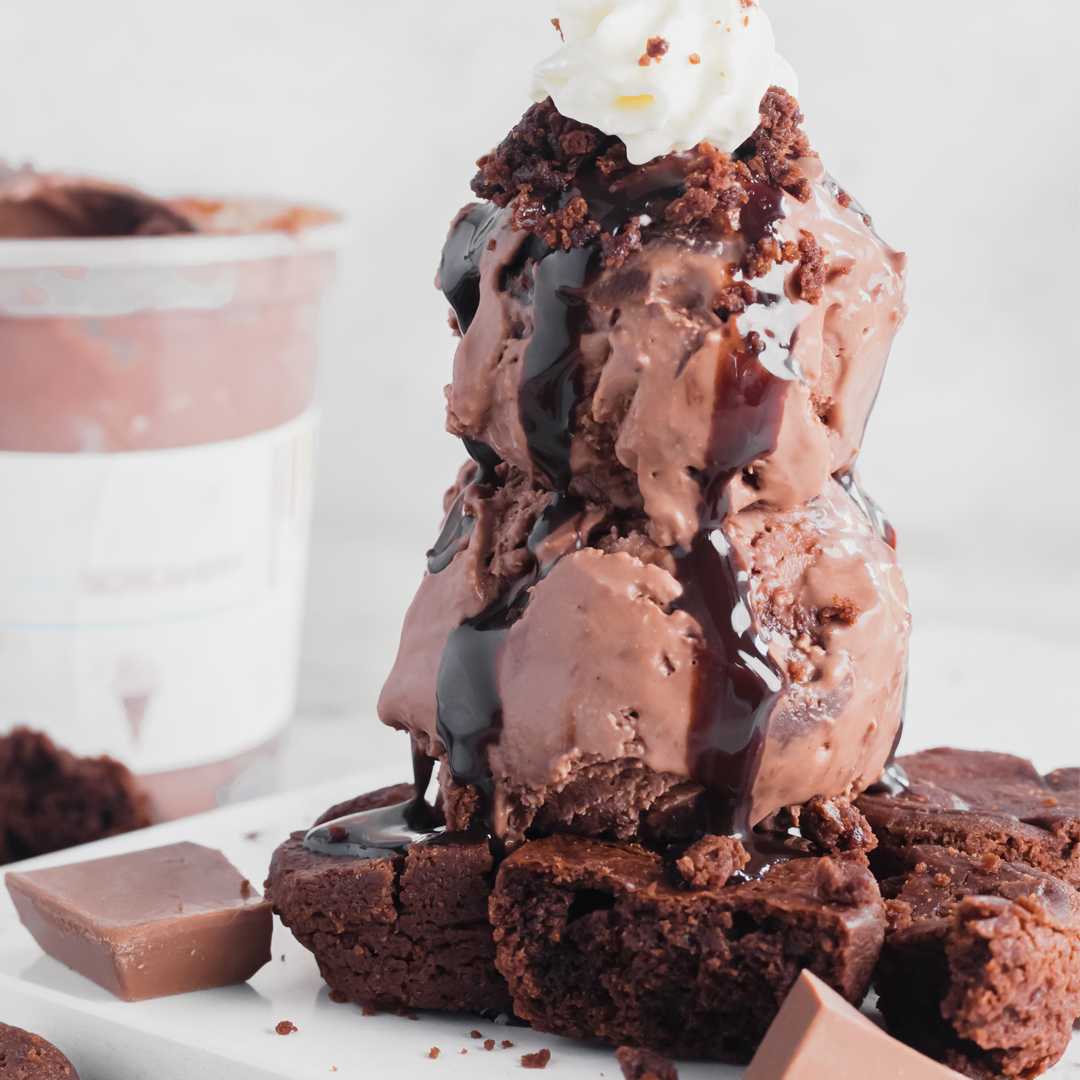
397	930
24	1056
981	965
51	799
981	802
149	923
600	940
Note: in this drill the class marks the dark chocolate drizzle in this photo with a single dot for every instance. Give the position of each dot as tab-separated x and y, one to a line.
458	526
371	834
549	390
459	271
469	705
736	685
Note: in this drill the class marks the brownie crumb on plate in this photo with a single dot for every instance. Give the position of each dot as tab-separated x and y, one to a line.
638	1064
285	1027
25	1056
539	1060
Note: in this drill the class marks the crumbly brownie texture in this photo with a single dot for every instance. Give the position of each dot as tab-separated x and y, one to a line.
401	931
981	965
983	803
599	940
51	799
24	1056
545	168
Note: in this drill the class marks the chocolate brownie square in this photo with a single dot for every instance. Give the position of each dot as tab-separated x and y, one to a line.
24	1056
981	965
50	799
979	803
402	930
600	940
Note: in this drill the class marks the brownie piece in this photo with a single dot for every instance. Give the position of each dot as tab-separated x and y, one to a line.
400	930
50	799
598	940
981	965
979	803
24	1056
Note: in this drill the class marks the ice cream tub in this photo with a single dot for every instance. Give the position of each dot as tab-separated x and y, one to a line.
157	443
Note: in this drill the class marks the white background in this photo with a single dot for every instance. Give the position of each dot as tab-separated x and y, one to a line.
954	122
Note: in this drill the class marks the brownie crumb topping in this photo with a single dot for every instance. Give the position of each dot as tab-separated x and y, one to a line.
434	1052
656	48
559	177
285	1027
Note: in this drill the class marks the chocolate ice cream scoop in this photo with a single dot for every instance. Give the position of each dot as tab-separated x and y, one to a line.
687	362
659	583
766	664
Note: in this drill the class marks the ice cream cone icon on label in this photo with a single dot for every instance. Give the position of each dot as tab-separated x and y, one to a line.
135	682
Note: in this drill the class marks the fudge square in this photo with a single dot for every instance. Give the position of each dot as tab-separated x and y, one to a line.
150	923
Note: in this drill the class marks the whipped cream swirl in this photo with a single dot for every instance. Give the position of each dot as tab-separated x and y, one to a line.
664	75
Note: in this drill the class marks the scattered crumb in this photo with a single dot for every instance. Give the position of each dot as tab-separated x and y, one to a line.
434	1052
645	1065
710	863
474	1034
655	50
252	835
285	1027
369	1010
489	1044
539	1060
507	1044
695	58
558	26
463	1051
283	958
333	1068
337	997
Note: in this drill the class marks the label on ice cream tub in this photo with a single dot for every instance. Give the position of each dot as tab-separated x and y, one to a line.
151	602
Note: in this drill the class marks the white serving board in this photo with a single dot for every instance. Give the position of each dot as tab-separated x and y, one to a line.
228	1034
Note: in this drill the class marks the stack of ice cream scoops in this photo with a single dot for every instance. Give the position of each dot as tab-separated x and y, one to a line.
660	652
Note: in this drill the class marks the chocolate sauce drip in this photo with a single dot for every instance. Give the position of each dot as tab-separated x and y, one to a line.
767	850
763	209
458	526
736	683
873	512
549	388
455	535
459	272
371	834
467	691
894	781
485	458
